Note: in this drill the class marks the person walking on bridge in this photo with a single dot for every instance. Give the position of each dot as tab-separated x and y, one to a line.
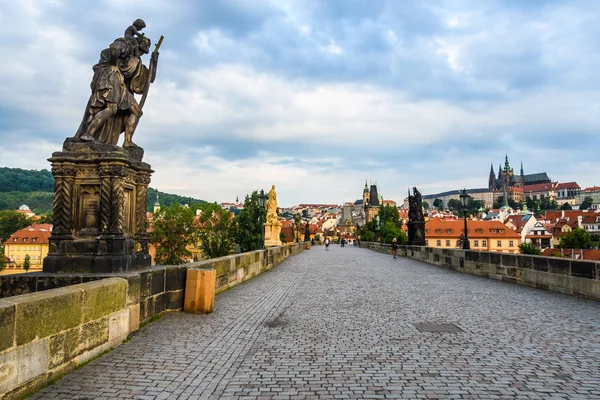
394	247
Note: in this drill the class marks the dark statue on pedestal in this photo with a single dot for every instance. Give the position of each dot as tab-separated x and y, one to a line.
416	220
100	188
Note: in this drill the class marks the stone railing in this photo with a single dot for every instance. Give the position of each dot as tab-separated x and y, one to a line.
47	334
563	275
50	323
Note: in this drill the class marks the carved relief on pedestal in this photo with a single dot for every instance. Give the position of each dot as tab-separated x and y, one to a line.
64	175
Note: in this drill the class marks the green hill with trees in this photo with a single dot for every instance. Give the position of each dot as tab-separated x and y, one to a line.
36	189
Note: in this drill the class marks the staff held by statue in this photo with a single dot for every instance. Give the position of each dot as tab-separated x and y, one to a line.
152	74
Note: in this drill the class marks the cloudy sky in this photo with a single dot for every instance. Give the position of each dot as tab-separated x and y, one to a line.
317	96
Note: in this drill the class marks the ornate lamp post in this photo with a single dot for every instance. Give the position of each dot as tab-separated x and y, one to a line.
377	226
262	200
464	198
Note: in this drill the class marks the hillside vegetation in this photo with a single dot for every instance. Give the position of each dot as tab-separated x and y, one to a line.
36	189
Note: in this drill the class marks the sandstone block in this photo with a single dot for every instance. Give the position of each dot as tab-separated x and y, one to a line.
8	370
7	325
200	291
103	297
45	313
118	327
32	360
134	317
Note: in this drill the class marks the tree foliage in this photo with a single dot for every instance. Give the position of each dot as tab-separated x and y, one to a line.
166	199
528	248
216	232
175	228
249	224
389	231
388	213
10	222
566	206
511	203
543	204
27	262
578	238
586	203
2	260
438	203
23	180
39	202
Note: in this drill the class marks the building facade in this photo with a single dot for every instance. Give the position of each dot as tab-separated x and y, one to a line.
31	241
483	235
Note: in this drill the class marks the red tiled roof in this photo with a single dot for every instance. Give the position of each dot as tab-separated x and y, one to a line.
568	185
477	229
588	254
39	232
540	187
592	189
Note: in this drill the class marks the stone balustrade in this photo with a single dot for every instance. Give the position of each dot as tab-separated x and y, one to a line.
50	323
564	275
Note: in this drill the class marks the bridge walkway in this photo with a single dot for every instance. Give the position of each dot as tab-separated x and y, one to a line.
354	323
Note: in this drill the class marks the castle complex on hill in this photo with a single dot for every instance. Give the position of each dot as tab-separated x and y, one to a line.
517	187
507	178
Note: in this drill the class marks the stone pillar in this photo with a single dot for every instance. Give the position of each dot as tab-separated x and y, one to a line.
99	209
416	233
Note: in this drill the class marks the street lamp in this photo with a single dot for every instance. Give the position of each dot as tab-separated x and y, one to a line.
464	198
262	200
377	222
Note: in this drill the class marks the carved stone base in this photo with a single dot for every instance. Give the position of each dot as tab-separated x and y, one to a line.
416	233
272	233
99	209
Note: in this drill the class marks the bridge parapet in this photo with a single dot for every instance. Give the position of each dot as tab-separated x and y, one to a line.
50	323
563	275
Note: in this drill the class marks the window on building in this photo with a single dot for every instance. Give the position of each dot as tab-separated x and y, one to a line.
447	243
511	243
448	230
15	239
438	243
480	231
34	240
499	244
484	243
476	243
426	242
24	240
438	231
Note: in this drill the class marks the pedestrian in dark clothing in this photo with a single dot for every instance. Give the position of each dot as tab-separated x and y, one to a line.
394	247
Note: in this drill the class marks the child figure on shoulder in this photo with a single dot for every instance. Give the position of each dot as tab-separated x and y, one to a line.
134	30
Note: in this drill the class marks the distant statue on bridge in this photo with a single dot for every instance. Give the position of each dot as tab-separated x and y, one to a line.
272	226
416	220
272	217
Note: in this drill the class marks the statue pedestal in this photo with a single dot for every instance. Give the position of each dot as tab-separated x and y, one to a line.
272	233
416	233
100	201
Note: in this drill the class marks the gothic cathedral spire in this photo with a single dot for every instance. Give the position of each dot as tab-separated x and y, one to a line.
492	180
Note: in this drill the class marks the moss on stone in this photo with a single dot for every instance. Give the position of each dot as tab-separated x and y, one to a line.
45	313
7	325
93	334
103	297
63	347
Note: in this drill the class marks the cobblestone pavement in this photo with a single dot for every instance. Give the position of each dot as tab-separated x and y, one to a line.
341	324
